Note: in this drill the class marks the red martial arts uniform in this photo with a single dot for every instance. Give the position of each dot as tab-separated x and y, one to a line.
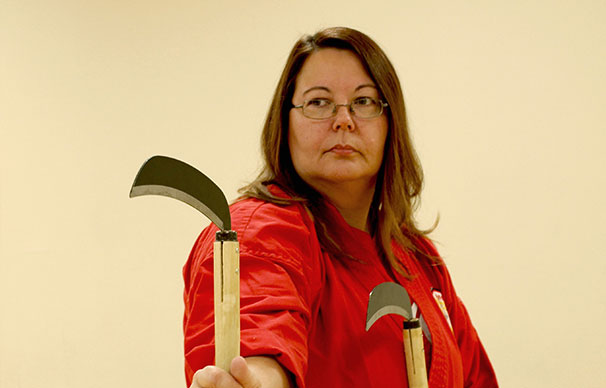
308	310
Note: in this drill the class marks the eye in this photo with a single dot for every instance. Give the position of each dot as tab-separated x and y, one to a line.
364	101
317	103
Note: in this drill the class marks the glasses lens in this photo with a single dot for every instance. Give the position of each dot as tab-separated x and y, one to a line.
322	108
367	107
318	108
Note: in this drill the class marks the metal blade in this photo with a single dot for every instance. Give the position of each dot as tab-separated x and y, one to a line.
387	298
169	177
424	326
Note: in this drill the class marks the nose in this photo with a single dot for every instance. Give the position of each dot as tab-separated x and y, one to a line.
343	119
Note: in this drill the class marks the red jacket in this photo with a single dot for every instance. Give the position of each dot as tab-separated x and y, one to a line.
308	310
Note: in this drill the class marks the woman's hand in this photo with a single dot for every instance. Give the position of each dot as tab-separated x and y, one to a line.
252	372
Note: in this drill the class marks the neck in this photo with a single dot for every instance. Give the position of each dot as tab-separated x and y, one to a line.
352	202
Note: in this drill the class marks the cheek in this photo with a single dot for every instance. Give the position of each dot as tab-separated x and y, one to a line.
379	139
301	140
296	143
300	151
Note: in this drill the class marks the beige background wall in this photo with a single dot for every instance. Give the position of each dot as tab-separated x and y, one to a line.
506	101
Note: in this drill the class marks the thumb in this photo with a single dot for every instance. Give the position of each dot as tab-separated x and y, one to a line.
240	371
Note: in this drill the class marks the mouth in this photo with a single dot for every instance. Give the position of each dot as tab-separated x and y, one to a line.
342	149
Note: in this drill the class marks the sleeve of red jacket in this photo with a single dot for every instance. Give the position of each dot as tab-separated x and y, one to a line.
476	365
478	371
277	285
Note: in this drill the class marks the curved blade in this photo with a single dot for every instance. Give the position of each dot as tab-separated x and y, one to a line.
387	298
424	326
169	177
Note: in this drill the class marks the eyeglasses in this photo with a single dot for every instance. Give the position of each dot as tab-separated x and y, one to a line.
323	108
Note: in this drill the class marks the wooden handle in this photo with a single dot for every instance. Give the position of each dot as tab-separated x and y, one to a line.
227	302
415	354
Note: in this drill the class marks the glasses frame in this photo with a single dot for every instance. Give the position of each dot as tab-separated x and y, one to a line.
382	105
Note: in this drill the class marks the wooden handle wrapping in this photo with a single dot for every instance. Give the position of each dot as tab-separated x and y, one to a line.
227	302
415	354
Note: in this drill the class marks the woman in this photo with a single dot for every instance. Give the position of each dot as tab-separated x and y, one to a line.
328	219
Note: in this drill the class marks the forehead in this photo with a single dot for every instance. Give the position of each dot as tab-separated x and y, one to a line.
334	69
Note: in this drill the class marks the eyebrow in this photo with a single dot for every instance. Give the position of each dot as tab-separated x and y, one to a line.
366	86
316	88
328	90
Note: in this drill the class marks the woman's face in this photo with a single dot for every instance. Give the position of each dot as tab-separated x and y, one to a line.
343	148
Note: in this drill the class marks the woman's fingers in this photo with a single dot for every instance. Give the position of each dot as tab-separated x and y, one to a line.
213	377
245	373
241	372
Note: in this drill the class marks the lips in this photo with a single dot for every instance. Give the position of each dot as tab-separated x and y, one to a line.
342	149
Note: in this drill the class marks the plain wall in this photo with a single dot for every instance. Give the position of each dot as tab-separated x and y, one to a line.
506	103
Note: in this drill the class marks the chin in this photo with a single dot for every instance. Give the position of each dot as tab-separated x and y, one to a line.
344	177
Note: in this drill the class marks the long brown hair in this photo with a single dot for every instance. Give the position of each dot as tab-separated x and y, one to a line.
400	178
